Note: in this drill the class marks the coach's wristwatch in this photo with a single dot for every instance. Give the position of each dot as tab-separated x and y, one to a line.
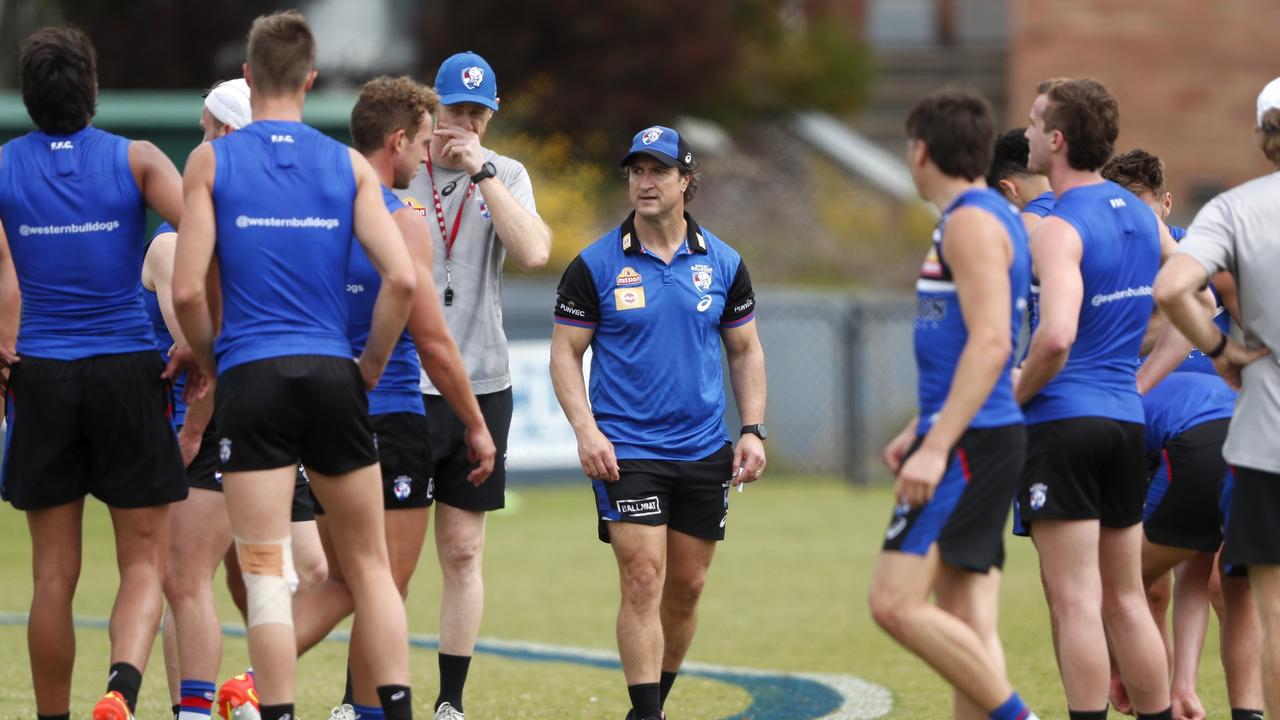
487	171
758	430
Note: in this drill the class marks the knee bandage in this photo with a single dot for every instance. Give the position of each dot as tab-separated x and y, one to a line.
269	579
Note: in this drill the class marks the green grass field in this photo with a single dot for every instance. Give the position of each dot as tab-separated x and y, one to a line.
787	592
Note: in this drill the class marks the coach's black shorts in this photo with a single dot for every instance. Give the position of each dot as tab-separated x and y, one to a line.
404	453
1253	524
1085	468
274	412
967	513
448	442
1183	498
690	496
97	426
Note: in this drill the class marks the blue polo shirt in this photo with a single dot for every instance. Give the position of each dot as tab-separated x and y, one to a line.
657	387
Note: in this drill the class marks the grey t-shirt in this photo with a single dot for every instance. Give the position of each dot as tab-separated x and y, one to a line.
1239	231
475	317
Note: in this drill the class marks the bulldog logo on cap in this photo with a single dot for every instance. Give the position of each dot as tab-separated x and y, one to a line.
651	135
472	77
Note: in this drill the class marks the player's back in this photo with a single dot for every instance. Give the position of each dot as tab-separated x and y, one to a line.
1120	243
74	216
1183	400
283	196
940	332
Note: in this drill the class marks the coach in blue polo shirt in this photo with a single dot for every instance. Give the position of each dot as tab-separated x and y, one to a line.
653	299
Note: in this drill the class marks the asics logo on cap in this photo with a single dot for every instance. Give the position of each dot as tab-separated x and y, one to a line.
650	136
472	77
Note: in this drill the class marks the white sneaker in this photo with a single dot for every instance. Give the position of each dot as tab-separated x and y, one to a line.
343	712
447	712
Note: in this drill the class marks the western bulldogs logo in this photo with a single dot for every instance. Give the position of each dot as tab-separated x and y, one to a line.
701	277
484	210
402	487
224	450
1039	494
650	136
472	77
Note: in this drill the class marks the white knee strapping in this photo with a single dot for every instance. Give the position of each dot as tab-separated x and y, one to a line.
269	579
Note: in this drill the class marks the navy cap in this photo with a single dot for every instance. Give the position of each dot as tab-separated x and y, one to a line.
663	144
466	77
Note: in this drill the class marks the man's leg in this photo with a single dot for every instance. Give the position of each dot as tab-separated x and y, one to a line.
641	552
142	540
309	560
258	504
169	646
688	559
460	550
1128	621
51	638
1073	588
975	600
353	503
1265	582
1241	644
1190	623
316	612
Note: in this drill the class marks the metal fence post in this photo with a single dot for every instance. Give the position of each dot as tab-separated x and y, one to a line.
854	407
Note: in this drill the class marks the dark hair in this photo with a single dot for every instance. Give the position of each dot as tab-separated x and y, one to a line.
58	73
282	51
958	130
388	104
1087	116
693	171
1010	159
1269	135
1137	170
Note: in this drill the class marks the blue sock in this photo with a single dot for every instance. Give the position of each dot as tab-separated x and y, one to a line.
1012	709
197	700
364	712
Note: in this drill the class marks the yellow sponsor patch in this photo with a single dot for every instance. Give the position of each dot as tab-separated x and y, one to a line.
628	298
628	277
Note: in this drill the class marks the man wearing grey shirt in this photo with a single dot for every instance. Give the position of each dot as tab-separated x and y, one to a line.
480	210
1239	232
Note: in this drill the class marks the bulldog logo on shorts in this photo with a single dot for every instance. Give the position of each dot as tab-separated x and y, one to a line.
224	450
1039	494
402	487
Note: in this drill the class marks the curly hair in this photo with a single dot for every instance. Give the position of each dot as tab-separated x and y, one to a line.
58	73
1137	170
387	104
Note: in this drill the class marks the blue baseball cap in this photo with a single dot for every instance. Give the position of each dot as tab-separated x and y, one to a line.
662	144
466	77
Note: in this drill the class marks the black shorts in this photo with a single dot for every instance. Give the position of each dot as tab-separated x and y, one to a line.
967	513
1186	488
690	496
97	426
404	453
1253	524
448	442
274	412
1084	468
203	474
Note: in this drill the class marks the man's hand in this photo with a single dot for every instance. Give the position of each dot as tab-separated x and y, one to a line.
1186	705
897	449
919	476
8	355
596	454
482	452
370	371
189	443
199	378
463	148
748	459
1233	359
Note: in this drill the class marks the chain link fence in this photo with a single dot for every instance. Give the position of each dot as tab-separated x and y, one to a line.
841	376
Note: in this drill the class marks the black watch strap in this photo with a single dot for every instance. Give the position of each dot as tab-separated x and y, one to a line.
758	430
487	171
1219	348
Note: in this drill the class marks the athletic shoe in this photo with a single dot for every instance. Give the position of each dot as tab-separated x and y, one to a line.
238	695
112	707
343	712
447	712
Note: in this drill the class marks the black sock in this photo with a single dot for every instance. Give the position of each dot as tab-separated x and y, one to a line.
125	679
1087	714
176	710
1244	714
397	702
349	695
453	676
63	716
646	700
277	712
1165	714
668	679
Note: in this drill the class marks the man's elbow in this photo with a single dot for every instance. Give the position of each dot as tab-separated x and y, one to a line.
186	296
1167	291
536	258
401	283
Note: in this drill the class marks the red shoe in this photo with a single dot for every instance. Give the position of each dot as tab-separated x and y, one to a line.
235	692
112	707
